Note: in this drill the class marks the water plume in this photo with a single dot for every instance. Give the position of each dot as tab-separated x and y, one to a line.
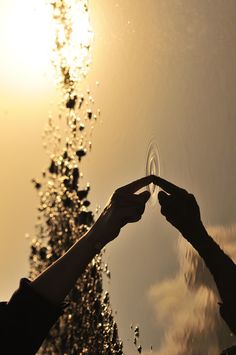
187	305
87	325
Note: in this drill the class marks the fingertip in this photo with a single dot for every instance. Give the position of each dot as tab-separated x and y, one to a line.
145	195
161	193
162	196
155	179
152	178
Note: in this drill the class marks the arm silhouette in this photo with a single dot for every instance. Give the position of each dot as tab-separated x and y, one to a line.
123	207
36	305
182	211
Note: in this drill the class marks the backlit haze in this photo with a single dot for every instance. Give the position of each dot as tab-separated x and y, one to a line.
166	73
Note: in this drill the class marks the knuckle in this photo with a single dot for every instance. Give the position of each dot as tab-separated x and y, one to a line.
116	192
137	217
184	192
163	211
116	195
140	208
191	196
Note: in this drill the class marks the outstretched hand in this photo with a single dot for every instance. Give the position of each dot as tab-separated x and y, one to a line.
178	206
124	206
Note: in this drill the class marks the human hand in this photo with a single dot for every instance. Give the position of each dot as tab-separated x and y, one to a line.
124	206
179	207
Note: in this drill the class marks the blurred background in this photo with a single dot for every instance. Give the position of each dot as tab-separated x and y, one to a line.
166	72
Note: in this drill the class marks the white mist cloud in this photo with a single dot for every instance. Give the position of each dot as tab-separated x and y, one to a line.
187	305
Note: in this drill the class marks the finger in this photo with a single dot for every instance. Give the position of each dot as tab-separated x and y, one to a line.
131	202
168	186
137	184
134	218
129	210
167	212
163	198
143	197
131	218
164	210
133	214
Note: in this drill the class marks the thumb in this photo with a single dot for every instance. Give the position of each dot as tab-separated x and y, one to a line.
144	196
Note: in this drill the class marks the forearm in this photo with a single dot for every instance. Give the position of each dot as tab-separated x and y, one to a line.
220	265
123	207
59	278
181	209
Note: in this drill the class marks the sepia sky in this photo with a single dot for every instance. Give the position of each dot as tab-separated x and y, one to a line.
167	73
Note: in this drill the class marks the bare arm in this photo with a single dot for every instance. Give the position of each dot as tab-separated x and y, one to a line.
123	207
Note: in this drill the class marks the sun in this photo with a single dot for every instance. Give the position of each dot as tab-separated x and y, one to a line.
28	36
26	41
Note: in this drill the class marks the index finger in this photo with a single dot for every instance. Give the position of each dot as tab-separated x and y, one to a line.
167	186
138	184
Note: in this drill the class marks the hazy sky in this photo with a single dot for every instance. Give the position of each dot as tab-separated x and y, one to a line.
167	72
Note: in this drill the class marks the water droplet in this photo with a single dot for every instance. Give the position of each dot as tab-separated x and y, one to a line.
140	349
89	113
136	331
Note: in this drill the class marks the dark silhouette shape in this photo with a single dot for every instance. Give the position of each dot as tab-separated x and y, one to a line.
89	114
230	351
53	169
32	310
81	153
71	102
26	320
182	211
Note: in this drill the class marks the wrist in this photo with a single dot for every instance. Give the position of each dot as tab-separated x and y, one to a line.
195	233
105	230
96	238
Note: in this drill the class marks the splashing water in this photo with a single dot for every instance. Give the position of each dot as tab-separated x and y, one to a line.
153	168
87	325
188	303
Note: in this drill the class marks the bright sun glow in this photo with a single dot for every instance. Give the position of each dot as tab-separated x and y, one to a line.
26	41
27	38
73	37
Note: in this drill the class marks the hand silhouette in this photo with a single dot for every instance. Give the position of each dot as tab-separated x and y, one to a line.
178	206
124	206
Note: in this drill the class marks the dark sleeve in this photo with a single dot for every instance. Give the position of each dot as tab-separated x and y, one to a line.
223	269
26	320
